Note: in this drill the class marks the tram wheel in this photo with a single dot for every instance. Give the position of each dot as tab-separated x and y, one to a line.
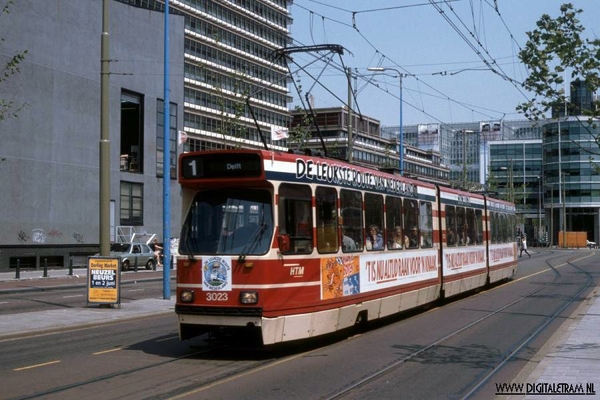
362	320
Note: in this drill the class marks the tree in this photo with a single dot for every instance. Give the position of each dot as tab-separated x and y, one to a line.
8	108
556	48
232	107
300	132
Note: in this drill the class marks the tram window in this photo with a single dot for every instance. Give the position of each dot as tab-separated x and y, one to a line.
461	226
501	228
228	221
295	217
393	223
470	226
478	227
511	223
327	225
374	221
352	220
426	224
509	234
411	222
495	227
451	236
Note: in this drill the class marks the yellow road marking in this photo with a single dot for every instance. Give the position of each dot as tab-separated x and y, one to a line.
36	366
107	351
549	269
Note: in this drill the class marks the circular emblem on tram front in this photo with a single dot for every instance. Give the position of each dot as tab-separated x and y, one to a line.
216	274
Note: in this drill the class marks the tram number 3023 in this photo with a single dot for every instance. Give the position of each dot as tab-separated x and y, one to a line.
216	296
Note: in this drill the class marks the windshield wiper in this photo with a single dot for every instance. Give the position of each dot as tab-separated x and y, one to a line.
251	246
186	248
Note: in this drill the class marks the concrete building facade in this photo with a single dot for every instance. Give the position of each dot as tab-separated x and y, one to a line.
49	157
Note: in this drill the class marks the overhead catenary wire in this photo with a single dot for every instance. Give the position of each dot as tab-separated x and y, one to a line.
356	28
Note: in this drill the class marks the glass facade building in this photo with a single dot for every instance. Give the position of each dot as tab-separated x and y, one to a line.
572	176
530	164
515	174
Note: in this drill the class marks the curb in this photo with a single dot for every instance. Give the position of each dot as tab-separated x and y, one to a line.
69	285
80	326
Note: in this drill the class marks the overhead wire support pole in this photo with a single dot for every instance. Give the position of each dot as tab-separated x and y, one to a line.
400	128
166	167
349	76
104	217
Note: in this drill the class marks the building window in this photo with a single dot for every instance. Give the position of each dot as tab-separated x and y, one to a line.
22	262
160	134
132	132
132	204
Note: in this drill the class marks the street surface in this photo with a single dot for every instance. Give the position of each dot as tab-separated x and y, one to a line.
443	352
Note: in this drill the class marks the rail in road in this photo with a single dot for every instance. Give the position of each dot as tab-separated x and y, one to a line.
459	350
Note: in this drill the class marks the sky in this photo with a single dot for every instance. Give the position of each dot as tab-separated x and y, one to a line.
444	79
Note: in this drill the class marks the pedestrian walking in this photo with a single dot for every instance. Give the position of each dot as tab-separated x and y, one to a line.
524	246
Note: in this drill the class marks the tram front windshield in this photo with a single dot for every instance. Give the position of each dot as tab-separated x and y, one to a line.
228	222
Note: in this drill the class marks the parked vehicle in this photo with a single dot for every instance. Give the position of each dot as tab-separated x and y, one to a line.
132	254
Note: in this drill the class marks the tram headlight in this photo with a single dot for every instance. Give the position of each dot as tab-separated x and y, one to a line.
186	296
249	297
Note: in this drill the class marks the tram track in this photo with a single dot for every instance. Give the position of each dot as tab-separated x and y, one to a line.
228	373
247	361
82	384
482	380
519	346
390	367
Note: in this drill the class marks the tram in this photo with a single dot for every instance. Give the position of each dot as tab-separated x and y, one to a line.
292	246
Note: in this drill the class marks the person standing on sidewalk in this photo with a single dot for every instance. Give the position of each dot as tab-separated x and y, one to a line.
524	246
157	252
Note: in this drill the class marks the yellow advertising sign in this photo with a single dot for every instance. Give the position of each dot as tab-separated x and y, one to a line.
104	280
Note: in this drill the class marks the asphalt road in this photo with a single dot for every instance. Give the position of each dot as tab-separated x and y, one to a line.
73	297
440	353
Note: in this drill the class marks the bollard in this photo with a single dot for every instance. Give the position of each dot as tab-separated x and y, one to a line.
45	267
135	265
18	270
71	266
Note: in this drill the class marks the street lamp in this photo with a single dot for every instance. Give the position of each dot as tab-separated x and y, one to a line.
551	237
539	207
564	209
401	134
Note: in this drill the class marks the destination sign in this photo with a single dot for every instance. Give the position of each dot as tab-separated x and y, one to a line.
205	166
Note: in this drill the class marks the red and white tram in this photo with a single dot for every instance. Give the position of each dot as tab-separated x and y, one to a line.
295	246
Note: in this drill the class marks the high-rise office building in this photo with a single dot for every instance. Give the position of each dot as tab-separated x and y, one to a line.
235	81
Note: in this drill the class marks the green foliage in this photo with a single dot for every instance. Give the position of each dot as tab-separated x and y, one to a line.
232	110
8	108
556	48
300	132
